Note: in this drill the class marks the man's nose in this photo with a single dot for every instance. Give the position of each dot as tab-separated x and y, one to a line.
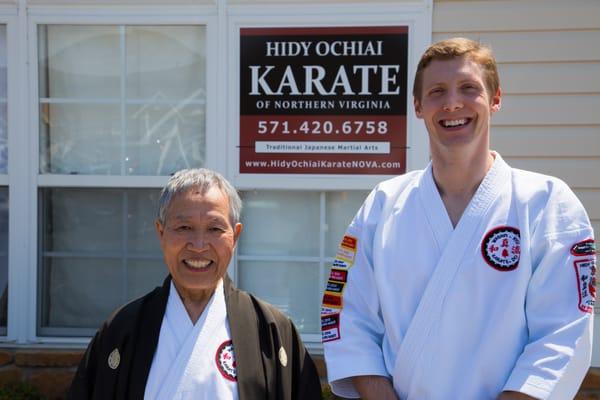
453	101
196	241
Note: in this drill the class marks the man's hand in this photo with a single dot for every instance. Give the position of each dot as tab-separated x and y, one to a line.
514	396
372	387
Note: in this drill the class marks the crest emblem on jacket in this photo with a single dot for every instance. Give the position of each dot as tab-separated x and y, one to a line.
501	248
114	359
225	360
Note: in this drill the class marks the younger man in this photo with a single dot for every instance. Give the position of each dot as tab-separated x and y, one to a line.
469	279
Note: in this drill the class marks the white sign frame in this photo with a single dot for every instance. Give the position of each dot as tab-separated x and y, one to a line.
418	19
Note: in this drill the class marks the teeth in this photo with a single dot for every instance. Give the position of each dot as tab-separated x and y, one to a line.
454	122
197	264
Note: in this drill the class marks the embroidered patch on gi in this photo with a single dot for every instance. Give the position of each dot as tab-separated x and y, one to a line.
225	359
584	248
337	263
347	249
338	275
501	248
332	300
349	242
326	310
114	359
330	327
336	287
585	270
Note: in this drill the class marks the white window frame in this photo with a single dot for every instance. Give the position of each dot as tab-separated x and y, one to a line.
8	17
415	15
25	330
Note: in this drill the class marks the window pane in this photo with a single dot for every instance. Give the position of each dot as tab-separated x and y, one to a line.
293	287
176	71
341	207
80	220
3	103
280	223
80	139
142	206
162	139
3	255
119	100
79	61
99	250
80	292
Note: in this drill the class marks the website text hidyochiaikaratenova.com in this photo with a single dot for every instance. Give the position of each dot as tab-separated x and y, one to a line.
321	164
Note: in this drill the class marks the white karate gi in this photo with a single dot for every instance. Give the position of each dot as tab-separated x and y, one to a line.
193	361
503	301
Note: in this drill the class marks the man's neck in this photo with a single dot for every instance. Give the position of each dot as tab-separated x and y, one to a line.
457	179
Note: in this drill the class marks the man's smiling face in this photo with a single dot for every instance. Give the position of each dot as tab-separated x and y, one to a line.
198	240
455	104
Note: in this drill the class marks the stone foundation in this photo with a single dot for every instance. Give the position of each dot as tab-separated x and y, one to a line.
51	371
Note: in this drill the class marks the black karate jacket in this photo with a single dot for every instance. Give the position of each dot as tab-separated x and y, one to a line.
258	331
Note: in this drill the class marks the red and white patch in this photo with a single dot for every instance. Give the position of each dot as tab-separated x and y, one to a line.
501	248
585	271
338	275
225	360
330	327
327	310
347	249
584	248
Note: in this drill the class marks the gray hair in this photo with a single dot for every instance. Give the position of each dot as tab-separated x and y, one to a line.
201	178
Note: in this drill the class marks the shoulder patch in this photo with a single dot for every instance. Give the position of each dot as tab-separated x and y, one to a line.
584	248
585	272
501	248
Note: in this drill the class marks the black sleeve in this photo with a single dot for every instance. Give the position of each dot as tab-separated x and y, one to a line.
83	382
306	384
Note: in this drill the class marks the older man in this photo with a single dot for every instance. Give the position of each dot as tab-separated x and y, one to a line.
469	279
197	336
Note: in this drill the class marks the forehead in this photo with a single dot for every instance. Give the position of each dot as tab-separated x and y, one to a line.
195	203
454	69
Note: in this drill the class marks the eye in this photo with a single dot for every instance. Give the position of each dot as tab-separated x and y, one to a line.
436	91
216	229
470	87
182	228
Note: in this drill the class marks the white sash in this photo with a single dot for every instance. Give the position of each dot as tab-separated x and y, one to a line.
453	245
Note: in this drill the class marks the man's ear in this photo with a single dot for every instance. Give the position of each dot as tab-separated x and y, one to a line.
237	230
417	105
496	101
160	229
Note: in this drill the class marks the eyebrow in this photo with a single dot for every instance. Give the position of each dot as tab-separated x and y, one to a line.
184	218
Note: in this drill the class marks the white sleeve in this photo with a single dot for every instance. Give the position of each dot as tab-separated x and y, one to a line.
559	304
351	322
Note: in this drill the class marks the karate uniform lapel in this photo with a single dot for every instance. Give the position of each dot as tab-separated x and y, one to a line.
146	338
192	347
454	245
246	343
